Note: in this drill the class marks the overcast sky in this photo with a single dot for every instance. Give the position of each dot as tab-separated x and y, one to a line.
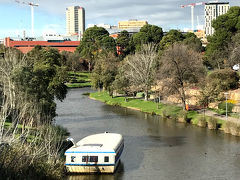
50	15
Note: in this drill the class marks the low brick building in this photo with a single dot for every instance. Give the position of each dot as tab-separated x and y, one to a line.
27	45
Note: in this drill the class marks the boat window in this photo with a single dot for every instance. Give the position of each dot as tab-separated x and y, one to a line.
84	158
93	159
73	158
106	159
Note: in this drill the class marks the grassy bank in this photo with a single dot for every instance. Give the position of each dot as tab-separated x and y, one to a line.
78	79
165	110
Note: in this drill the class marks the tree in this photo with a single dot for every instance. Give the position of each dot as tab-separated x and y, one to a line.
170	38
193	41
104	72
124	44
148	34
95	41
179	67
73	62
43	80
234	51
225	27
140	68
216	82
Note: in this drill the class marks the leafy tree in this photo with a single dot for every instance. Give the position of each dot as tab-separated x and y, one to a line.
193	41
148	34
95	41
124	44
218	81
234	51
73	62
225	27
140	68
43	80
104	72
180	66
170	38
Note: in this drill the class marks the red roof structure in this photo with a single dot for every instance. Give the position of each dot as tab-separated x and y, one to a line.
26	46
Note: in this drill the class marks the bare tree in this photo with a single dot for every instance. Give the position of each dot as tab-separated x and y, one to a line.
179	67
140	68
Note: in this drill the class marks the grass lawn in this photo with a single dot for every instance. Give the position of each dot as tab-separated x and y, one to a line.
148	106
138	104
78	79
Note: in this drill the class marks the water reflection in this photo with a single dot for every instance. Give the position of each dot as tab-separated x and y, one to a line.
116	176
154	148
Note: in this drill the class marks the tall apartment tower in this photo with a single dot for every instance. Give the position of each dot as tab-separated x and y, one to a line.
212	11
75	20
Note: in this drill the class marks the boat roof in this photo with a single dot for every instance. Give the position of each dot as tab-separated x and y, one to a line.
103	142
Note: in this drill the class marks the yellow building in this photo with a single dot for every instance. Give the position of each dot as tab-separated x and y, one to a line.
131	24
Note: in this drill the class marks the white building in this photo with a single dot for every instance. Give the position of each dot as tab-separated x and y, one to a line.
75	20
212	11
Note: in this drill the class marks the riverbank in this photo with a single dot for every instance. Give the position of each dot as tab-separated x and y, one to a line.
78	80
202	119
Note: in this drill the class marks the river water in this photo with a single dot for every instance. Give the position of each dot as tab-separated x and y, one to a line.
155	149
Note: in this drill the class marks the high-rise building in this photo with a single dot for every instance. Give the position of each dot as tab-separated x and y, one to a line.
212	11
134	23
75	20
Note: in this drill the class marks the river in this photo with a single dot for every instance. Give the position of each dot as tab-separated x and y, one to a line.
155	149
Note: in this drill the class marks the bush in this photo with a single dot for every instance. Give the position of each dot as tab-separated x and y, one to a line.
222	106
182	116
202	121
212	123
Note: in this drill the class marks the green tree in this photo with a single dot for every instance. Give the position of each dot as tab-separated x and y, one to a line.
43	80
193	41
148	34
105	71
170	38
95	41
124	44
225	27
216	82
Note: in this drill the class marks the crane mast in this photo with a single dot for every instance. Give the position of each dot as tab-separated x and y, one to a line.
32	5
192	5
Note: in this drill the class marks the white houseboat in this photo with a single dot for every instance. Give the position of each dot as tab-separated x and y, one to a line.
98	153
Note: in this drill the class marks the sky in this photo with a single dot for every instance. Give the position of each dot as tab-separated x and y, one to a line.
50	14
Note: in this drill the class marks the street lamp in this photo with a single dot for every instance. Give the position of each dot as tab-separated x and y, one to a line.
226	94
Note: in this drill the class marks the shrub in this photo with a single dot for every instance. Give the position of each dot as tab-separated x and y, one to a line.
182	116
222	106
202	121
212	123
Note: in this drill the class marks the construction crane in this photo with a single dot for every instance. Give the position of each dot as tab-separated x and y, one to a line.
32	11
192	5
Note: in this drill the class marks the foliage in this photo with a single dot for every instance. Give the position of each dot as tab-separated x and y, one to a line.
95	41
148	34
170	38
124	44
43	79
192	41
179	67
73	62
225	27
216	82
222	106
104	72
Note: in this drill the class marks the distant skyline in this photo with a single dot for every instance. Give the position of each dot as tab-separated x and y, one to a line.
50	15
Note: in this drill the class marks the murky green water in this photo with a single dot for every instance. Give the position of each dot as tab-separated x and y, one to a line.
154	149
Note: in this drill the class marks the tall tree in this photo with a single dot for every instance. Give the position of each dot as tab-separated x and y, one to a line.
140	68
170	38
225	27
148	34
179	67
124	44
95	41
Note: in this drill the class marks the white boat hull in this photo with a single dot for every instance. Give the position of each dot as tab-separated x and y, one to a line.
90	169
